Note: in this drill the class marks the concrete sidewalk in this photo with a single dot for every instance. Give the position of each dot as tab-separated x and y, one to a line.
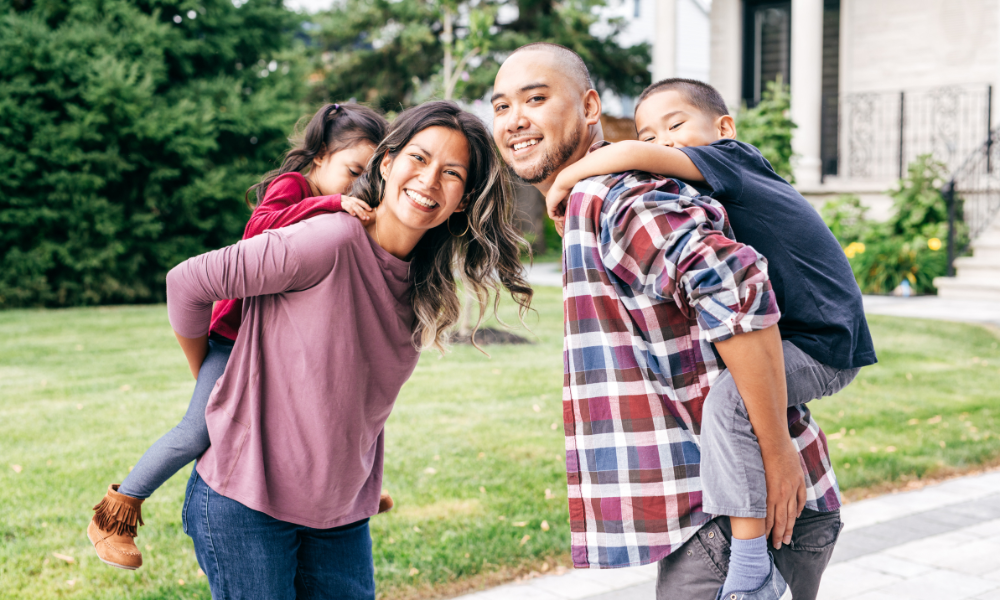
941	542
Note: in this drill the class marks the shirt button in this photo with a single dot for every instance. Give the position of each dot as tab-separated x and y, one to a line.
690	553
711	534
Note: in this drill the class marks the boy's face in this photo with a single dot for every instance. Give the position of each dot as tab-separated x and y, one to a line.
668	119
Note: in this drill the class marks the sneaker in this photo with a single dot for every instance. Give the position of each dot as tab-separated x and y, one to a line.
774	588
113	528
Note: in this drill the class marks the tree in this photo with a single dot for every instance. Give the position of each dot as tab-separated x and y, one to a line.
396	53
130	131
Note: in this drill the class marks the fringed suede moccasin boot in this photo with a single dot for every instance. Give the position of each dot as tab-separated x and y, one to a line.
113	529
384	502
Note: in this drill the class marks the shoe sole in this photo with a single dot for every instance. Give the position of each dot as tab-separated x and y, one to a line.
107	562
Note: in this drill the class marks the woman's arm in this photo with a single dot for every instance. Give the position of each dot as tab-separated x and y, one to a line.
617	158
293	258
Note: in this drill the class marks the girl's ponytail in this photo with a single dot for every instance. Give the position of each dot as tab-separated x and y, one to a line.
333	128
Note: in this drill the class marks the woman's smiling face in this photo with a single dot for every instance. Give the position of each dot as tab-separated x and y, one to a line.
425	182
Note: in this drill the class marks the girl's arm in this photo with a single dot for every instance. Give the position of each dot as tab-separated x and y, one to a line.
195	350
617	158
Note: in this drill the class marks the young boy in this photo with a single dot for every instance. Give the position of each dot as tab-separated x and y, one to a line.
686	132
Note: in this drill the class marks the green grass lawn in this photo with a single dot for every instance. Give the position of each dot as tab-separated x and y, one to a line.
474	449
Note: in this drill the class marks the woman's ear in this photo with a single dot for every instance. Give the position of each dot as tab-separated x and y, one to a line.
385	165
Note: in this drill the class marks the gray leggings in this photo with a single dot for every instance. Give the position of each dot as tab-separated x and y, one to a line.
189	439
732	471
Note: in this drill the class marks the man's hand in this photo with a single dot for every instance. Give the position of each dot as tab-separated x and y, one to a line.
757	364
786	492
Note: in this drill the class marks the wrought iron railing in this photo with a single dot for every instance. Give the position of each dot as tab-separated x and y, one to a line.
882	132
973	196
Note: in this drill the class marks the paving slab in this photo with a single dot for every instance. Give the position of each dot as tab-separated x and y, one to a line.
940	542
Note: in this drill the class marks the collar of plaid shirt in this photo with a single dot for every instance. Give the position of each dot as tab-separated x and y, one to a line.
652	277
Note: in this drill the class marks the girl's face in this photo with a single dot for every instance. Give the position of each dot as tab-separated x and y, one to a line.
335	172
425	182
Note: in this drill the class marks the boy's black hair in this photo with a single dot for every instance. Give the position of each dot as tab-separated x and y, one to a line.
701	95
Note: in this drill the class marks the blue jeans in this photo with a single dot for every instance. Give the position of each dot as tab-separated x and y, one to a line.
247	554
189	439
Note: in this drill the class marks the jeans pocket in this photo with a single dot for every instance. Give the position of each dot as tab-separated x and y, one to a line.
816	531
187	497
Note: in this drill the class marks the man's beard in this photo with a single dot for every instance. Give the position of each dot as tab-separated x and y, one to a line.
554	160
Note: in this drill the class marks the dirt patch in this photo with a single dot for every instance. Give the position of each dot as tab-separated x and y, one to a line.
488	335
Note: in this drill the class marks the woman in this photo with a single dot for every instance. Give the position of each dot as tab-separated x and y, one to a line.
334	317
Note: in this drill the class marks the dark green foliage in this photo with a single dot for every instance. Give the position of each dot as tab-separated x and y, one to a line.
127	140
910	245
390	52
769	127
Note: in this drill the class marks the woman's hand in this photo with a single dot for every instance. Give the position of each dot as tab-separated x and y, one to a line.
356	207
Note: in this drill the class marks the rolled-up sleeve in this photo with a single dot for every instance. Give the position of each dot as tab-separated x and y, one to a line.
672	247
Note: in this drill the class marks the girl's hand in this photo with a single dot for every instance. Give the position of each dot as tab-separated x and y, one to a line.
357	208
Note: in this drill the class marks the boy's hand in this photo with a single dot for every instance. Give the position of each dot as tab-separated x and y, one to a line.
786	493
357	208
556	199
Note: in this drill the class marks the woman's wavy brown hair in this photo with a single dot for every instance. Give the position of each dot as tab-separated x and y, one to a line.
487	254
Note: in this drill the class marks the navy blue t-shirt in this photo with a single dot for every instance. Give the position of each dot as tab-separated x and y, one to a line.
820	303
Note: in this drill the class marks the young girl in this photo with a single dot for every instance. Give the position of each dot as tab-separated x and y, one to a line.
336	145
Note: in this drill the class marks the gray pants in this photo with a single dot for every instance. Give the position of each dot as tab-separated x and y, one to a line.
189	439
732	476
698	569
732	471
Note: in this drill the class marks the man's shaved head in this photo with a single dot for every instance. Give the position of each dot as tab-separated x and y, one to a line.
571	63
546	112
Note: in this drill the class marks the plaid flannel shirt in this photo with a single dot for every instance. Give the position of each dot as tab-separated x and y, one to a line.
651	278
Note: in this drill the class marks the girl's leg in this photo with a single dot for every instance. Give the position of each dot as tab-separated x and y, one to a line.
244	553
185	442
336	563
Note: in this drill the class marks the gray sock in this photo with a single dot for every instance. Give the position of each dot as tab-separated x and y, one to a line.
749	565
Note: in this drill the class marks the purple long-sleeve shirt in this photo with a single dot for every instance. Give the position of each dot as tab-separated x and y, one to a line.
296	421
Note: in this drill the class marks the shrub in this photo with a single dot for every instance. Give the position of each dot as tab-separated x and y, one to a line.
909	245
769	127
131	130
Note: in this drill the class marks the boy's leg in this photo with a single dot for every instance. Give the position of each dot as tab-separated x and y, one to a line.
697	569
185	442
732	470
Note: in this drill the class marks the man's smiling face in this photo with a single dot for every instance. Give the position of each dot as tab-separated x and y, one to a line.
539	119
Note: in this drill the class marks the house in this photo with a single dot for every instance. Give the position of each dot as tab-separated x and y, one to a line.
874	84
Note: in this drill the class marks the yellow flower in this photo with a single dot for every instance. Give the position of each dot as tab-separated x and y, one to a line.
854	248
934	244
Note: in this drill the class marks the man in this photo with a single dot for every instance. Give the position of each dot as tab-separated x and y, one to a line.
655	293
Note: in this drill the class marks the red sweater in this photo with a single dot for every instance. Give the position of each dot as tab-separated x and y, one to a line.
288	200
